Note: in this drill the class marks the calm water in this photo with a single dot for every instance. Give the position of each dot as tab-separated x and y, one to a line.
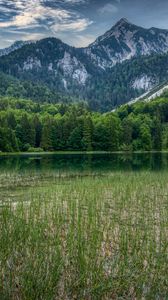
85	162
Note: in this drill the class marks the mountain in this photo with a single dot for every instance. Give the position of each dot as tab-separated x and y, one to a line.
122	64
51	61
15	46
124	41
154	93
127	81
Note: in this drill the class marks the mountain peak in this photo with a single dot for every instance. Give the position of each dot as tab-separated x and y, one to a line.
122	26
123	21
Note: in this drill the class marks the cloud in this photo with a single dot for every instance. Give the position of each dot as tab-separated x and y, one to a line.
108	9
71	25
75	1
28	13
83	40
34	36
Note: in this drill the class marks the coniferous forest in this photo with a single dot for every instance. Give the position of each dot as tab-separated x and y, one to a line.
29	126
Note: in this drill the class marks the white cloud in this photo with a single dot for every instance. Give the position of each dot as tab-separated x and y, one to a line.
75	1
108	9
34	36
34	12
83	41
71	25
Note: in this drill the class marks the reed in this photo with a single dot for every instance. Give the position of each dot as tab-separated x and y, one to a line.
90	236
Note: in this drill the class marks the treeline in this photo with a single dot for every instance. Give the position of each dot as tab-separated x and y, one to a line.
29	126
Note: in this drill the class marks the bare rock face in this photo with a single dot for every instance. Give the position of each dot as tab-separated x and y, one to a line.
17	45
125	41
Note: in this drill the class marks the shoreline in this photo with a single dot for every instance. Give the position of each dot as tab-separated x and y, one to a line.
78	153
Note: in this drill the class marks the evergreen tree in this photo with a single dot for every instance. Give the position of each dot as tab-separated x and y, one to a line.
145	137
25	133
157	133
75	139
87	133
114	132
38	130
11	120
46	139
100	137
127	132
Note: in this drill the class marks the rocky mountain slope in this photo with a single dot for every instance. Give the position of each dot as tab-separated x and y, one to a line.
49	59
124	41
17	45
120	65
154	93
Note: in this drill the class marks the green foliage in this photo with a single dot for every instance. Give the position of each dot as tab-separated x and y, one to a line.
27	89
87	134
29	126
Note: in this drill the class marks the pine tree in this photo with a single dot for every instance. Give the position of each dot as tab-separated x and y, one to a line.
11	120
114	132
157	133
75	139
87	133
127	131
38	131
46	139
145	137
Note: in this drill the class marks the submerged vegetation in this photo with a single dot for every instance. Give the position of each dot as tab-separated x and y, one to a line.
29	126
83	235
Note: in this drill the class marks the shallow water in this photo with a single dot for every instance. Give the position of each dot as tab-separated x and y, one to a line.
107	214
84	162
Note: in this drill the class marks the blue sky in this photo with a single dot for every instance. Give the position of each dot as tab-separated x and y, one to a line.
76	22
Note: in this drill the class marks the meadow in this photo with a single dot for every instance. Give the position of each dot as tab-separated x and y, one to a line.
96	234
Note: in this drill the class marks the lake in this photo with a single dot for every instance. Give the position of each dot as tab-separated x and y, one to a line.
85	162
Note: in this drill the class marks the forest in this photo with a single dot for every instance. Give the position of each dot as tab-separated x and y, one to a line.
29	126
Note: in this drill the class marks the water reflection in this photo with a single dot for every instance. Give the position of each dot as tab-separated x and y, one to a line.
85	162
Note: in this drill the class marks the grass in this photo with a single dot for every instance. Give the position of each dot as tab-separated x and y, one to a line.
91	236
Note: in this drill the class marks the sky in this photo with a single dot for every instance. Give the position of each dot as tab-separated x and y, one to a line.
75	22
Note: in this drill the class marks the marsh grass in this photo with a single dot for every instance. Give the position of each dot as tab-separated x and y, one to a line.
91	236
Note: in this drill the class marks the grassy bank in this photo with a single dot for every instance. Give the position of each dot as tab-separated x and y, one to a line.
91	236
